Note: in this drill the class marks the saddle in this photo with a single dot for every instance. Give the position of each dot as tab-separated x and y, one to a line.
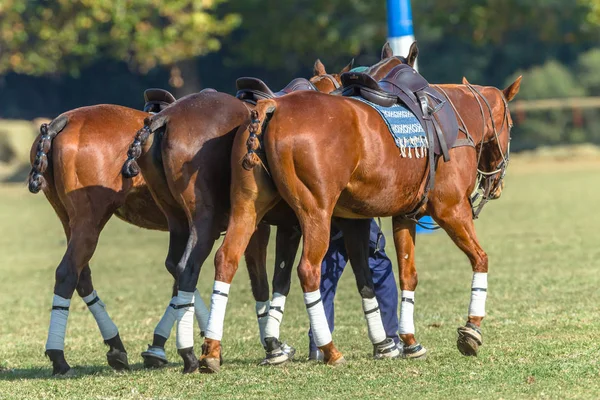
157	100
405	86
253	89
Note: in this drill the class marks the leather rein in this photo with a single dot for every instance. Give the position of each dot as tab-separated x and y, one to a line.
484	182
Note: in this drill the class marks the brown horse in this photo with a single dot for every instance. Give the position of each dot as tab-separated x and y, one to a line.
305	130
184	155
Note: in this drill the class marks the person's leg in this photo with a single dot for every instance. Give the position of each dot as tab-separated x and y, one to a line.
386	290
331	270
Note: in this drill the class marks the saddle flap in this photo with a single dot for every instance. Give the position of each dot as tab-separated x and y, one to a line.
157	99
405	78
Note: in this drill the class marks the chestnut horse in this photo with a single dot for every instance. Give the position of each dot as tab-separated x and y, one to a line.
192	141
305	130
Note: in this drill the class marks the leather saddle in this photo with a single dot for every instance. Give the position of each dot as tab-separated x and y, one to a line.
253	89
404	85
157	100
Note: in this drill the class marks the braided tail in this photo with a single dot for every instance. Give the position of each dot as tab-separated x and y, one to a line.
131	167
255	129
48	132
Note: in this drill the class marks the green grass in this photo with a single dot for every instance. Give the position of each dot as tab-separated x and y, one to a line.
540	337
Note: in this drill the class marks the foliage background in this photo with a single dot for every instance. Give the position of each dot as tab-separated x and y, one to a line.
60	55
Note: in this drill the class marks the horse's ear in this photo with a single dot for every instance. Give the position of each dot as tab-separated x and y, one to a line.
511	91
319	68
465	81
386	51
348	67
413	52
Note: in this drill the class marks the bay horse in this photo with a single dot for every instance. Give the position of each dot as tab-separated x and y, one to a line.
304	131
192	141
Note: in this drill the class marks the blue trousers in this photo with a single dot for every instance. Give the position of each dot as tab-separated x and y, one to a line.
386	290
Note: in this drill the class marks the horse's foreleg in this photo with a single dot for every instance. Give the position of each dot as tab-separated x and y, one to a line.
458	223
287	242
201	240
256	262
356	238
404	240
117	355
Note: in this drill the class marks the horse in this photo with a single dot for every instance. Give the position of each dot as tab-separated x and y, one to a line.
304	130
196	171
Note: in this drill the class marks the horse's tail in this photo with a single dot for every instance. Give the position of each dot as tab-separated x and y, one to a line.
257	124
131	168
39	165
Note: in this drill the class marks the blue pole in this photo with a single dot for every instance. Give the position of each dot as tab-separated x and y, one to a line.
400	26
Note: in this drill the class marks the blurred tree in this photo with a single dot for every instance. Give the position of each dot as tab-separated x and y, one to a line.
47	37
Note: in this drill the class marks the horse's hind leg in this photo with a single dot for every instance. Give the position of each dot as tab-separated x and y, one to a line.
356	238
458	223
404	240
116	355
287	242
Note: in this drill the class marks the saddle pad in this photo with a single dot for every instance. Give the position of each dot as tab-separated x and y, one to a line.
404	127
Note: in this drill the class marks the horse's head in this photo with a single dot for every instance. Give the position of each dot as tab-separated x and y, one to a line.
324	82
495	145
389	61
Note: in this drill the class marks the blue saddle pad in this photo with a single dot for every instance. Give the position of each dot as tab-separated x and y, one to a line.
404	127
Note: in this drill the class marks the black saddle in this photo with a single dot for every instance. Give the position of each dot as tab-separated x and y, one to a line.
157	100
406	86
253	89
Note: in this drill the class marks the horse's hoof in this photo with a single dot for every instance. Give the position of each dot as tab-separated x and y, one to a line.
414	352
117	359
190	362
338	362
386	349
154	357
469	340
279	356
210	365
59	364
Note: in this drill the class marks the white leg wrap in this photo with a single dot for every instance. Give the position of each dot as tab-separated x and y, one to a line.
478	294
262	314
218	305
275	315
58	323
165	325
318	320
185	319
107	327
201	312
374	323
407	309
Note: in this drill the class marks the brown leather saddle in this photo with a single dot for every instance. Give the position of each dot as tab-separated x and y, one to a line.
406	86
157	100
253	89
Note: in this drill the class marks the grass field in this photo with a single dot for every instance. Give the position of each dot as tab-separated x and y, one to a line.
541	336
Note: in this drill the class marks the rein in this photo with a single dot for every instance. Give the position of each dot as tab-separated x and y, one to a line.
484	179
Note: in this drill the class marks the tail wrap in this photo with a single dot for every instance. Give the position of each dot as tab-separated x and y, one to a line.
48	132
251	159
131	168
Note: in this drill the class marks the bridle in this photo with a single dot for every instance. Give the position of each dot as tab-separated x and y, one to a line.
330	77
487	182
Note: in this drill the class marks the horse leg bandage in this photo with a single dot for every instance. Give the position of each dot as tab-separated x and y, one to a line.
184	304
275	315
218	305
478	294
407	309
107	327
318	320
58	323
165	325
201	312
374	322
262	314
